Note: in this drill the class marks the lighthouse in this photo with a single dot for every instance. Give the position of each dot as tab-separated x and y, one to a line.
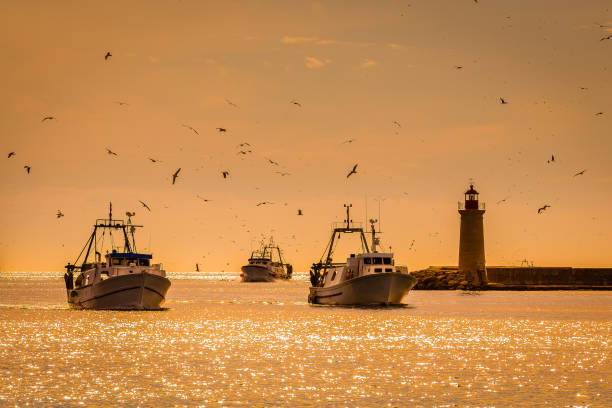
471	239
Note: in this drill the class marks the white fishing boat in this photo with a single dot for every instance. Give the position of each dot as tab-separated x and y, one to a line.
125	280
368	278
266	265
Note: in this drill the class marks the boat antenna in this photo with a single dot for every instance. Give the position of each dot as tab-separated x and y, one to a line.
379	215
132	228
366	208
110	223
348	218
373	229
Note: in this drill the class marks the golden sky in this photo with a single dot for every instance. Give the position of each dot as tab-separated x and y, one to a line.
355	67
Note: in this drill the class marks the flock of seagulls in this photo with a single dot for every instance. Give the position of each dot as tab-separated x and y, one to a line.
244	150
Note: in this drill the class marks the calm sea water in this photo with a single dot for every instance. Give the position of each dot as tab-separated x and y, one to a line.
226	343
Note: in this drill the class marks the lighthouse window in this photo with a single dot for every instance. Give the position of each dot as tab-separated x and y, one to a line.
377	261
367	261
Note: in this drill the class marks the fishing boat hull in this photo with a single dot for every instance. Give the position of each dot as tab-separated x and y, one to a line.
376	289
256	273
139	291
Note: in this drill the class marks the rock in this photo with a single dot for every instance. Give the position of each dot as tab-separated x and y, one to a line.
463	283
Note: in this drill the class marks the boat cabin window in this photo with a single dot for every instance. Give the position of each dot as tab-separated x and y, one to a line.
367	261
116	261
143	262
377	261
387	261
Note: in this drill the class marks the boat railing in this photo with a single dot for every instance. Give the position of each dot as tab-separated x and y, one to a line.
353	224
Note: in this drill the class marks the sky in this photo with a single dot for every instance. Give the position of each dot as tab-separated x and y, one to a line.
409	91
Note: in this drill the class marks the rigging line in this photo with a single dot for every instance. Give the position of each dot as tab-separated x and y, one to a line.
102	244
87	242
326	247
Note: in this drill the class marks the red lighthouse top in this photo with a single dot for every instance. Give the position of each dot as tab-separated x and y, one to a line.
471	199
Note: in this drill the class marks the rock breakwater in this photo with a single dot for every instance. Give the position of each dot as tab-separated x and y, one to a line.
443	278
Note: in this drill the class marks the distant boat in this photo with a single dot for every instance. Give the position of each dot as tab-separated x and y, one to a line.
125	280
368	278
266	265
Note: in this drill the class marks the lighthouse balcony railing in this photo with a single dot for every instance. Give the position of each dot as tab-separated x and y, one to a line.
471	206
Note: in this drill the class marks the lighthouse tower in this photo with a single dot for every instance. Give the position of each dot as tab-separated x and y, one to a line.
471	239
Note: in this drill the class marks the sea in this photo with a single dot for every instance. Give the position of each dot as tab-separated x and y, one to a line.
223	343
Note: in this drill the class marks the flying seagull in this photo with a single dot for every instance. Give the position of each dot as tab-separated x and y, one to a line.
122	103
27	168
11	154
580	173
244	152
175	175
220	129
354	171
296	103
396	123
300	212
192	129
458	67
48	118
551	160
264	203
203	199
145	205
599	114
108	55
244	144
230	103
503	200
60	214
272	162
154	160
502	101
606	37
541	209
225	174
109	151
348	141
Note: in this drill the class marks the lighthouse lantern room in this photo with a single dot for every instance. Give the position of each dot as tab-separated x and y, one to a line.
471	199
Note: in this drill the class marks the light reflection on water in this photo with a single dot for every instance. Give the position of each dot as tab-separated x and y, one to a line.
227	343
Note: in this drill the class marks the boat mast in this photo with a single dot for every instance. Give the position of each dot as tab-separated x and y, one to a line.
347	229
